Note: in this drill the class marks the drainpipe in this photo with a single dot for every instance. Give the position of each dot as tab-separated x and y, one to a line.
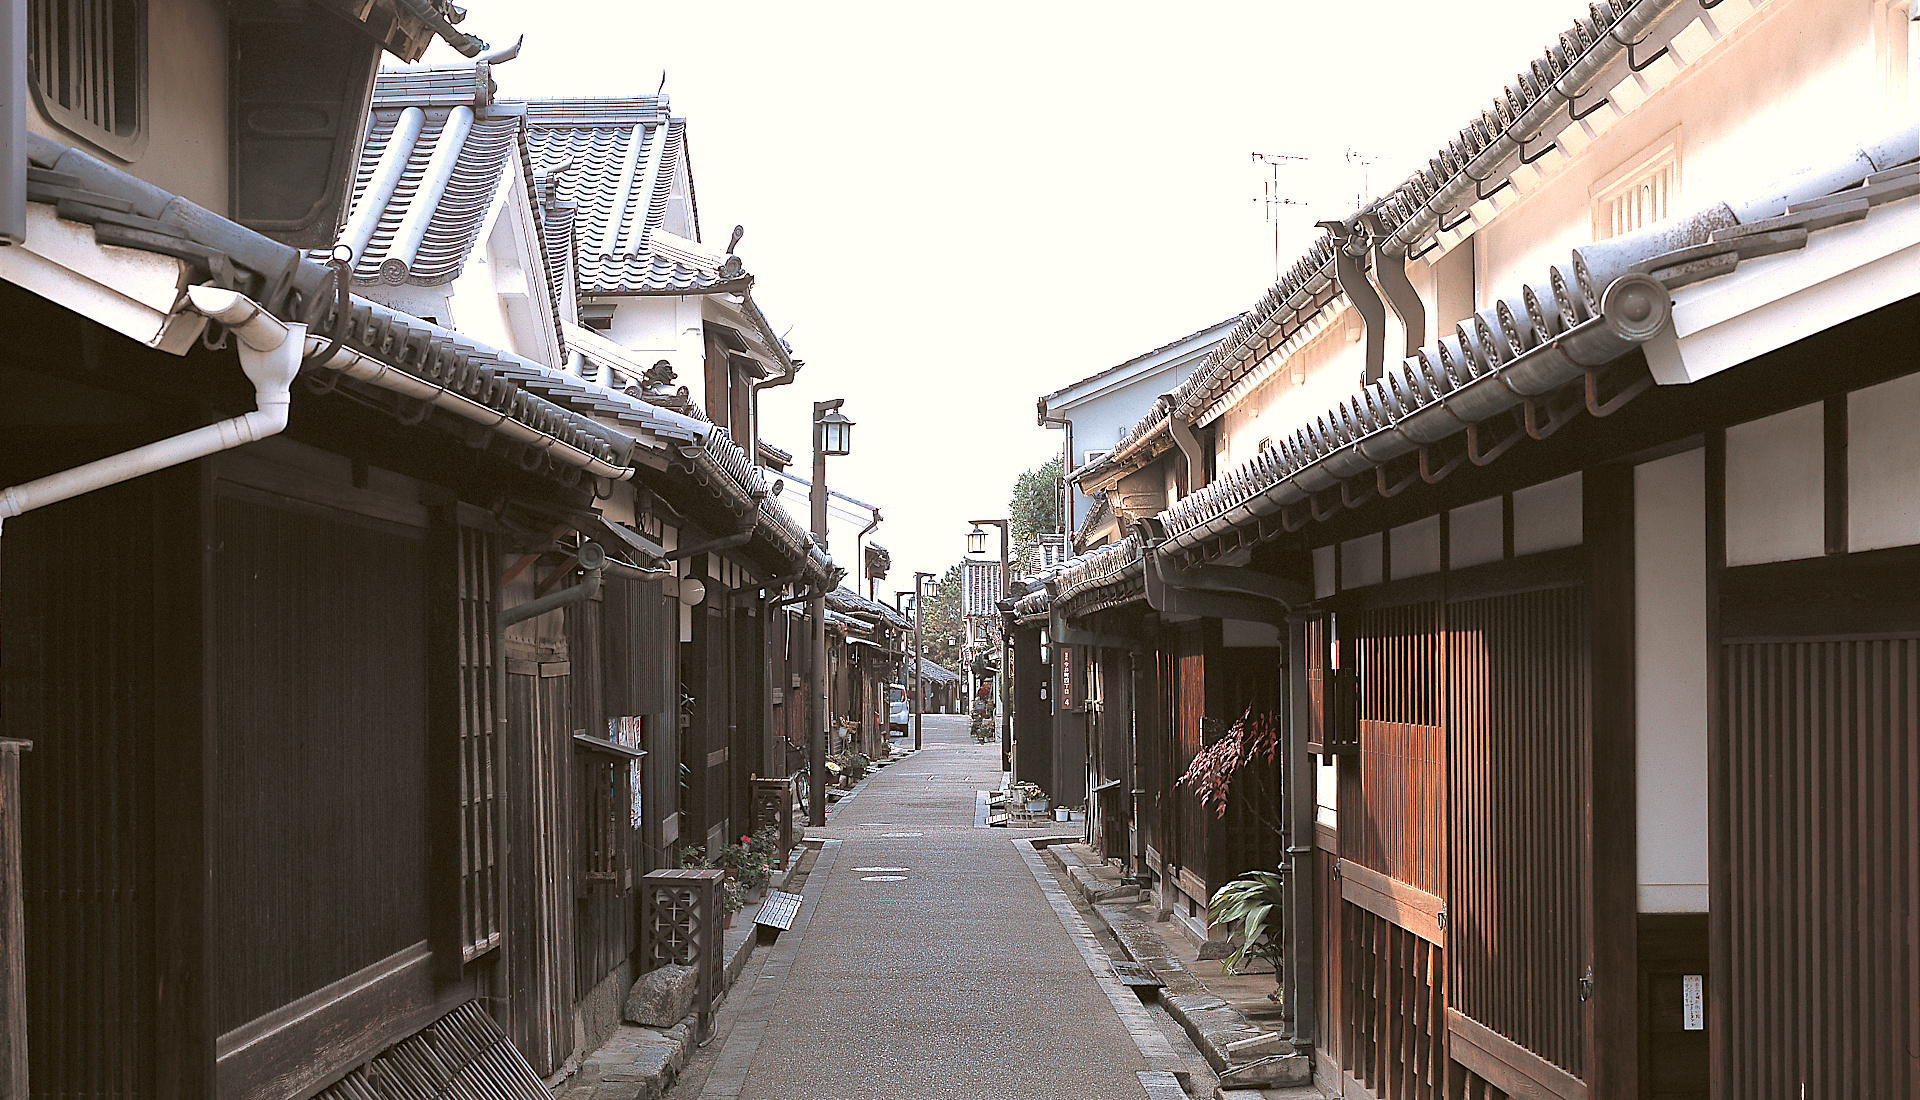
726	543
1390	271
1303	960
270	352
1349	245
1066	469
1189	446
774	767
860	553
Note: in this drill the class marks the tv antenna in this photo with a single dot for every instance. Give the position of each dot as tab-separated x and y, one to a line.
1271	199
1355	156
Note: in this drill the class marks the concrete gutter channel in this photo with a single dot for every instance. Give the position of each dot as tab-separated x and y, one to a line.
1250	1062
642	1063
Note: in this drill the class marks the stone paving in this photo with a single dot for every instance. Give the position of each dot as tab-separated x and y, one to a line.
934	965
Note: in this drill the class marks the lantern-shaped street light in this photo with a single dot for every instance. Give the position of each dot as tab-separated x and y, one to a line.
835	430
977	544
832	435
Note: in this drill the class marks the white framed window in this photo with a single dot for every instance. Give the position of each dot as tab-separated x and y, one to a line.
1644	190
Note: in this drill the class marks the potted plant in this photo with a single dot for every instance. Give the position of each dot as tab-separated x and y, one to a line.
1031	796
1251	907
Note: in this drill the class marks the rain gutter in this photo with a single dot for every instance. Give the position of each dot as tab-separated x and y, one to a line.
270	353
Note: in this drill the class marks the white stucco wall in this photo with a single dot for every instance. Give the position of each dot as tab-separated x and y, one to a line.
1670	677
1776	510
1797	81
1883	465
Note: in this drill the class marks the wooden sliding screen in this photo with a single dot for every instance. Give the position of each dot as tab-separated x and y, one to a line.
1517	718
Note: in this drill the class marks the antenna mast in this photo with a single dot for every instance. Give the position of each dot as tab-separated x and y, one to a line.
1271	200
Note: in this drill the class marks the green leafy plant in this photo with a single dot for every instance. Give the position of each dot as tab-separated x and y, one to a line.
1251	906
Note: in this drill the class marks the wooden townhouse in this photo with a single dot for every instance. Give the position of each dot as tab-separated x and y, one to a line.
1575	478
349	744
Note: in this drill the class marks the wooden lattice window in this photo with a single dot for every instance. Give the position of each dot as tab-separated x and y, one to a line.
479	822
598	841
88	65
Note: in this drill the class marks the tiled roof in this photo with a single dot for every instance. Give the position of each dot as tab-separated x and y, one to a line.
128	212
433	155
1609	298
849	602
623	156
931	671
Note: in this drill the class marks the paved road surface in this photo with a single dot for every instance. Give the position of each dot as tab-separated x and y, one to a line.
932	966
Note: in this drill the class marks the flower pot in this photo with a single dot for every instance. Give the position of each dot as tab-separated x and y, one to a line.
1060	813
1037	806
1076	815
728	923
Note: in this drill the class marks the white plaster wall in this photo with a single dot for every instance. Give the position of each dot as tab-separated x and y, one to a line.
1323	571
1474	533
1547	516
1793	84
1326	786
1360	562
1321	373
186	149
1776	510
1670	678
1883	465
1415	548
664	328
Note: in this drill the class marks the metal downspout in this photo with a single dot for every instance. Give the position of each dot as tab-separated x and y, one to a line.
1349	246
1189	445
1303	960
1066	470
860	554
1390	271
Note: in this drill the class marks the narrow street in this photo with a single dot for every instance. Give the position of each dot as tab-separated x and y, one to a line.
932	964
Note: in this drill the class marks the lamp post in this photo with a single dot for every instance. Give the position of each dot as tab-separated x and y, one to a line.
919	684
977	544
832	434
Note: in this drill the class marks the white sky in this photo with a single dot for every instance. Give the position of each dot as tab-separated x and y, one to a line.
960	208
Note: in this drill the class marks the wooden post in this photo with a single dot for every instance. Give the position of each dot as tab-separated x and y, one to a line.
1612	1016
13	930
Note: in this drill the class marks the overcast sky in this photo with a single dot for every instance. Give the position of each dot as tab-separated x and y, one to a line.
958	208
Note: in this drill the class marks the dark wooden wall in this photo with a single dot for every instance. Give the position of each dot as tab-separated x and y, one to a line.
320	746
78	653
1823	802
1032	715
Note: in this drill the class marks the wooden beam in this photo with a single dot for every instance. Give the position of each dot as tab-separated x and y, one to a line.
1506	1065
1406	906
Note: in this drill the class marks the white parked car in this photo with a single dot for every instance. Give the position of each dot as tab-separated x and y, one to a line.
897	716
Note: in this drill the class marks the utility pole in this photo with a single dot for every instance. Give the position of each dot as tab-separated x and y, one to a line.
919	685
1271	199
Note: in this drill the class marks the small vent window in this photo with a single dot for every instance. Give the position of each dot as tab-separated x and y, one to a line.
88	60
1641	193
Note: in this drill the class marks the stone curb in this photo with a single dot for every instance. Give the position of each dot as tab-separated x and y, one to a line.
1209	1021
642	1063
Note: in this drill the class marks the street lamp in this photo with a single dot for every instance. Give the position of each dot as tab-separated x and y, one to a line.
977	544
832	435
919	659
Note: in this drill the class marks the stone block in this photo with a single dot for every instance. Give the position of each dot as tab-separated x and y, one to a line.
1259	1046
661	997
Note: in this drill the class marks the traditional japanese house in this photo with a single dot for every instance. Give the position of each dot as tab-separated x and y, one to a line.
333	756
1599	662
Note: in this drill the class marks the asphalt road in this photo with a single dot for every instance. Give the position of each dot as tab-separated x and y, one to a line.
932	965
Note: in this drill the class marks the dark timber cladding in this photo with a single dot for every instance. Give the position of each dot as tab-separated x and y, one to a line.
1820	757
320	790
